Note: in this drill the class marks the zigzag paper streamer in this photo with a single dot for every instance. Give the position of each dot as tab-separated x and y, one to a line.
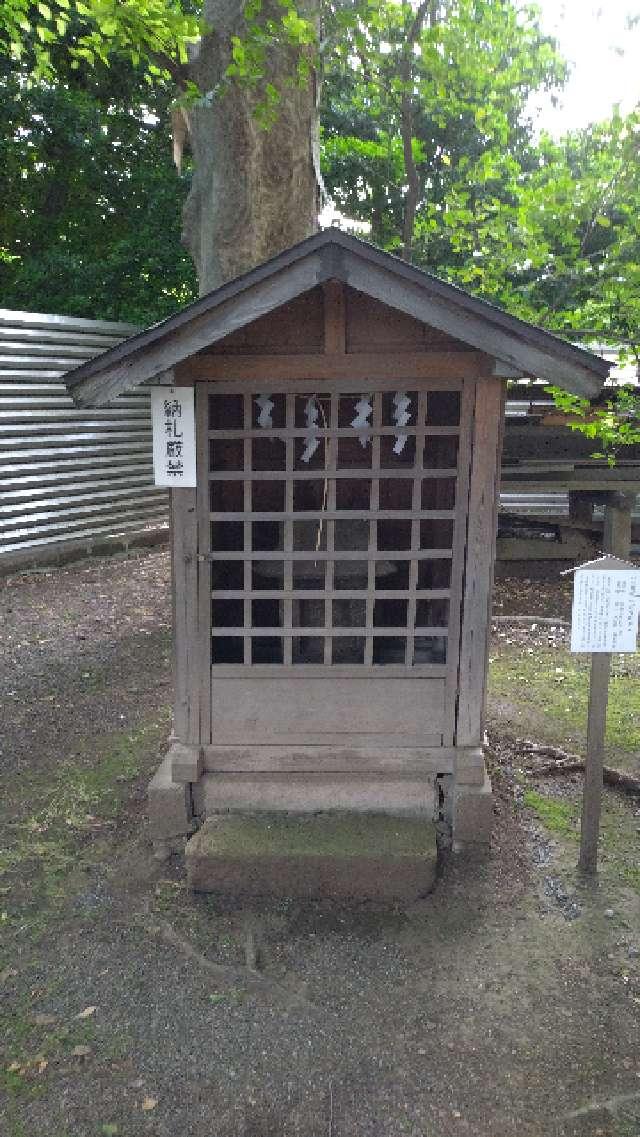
364	411
311	413
401	416
266	406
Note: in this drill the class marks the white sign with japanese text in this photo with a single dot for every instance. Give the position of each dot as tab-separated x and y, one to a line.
174	436
606	606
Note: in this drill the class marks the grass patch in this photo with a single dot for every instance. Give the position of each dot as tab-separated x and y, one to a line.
549	689
81	800
324	834
557	816
618	848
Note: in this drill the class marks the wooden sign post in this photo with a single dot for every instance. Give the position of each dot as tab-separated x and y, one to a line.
604	618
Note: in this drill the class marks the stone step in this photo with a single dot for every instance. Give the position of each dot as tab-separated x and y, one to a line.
324	855
311	792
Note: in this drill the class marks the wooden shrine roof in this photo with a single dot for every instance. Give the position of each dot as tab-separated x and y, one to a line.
517	346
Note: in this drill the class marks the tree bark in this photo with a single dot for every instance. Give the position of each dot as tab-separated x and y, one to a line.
254	191
427	9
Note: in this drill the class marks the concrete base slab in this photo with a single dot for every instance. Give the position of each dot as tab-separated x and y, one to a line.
313	792
168	805
325	855
186	762
472	816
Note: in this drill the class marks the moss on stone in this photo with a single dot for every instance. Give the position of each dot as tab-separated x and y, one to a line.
320	834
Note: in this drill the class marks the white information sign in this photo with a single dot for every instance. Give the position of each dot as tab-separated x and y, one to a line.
174	436
606	606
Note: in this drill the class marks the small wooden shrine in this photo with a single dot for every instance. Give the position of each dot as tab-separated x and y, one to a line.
332	568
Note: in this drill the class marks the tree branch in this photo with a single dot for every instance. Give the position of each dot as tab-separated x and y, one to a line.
427	7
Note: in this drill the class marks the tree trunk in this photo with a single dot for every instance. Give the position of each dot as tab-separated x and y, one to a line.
254	191
426	9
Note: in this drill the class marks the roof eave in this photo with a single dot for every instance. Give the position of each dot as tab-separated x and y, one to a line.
363	267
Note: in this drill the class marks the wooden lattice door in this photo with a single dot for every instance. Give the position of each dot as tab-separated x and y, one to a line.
331	533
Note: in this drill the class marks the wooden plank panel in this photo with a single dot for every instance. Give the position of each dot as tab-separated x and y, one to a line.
184	548
287	517
278	475
330	759
467	404
311	555
155	356
486	334
331	459
295	327
340	514
426	365
418	432
482	524
334	317
370	323
345	385
335	594
204	568
314	629
247	418
236	671
250	709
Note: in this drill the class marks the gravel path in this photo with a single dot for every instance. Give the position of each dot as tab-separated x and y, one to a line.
489	1009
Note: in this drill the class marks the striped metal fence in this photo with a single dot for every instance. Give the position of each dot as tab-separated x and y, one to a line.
69	478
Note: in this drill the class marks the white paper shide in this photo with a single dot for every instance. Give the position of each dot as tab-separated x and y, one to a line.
174	436
606	605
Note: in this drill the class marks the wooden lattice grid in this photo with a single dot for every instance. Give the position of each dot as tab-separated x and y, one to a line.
344	559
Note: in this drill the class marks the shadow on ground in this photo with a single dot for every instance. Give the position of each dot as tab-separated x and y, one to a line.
506	1003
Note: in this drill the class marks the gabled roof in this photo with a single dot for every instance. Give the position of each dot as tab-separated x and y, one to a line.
606	562
328	255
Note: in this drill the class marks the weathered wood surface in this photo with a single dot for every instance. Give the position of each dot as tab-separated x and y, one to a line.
184	559
335	326
298	326
337	256
337	758
527	352
153	352
372	325
365	366
203	619
481	530
459	555
261	710
596	728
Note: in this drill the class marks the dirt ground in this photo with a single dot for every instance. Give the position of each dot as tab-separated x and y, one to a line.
505	1004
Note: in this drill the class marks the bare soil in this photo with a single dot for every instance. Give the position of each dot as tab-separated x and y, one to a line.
506	1003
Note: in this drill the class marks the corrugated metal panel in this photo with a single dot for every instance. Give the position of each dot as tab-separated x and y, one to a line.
68	475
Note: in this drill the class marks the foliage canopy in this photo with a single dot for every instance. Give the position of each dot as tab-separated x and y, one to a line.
427	135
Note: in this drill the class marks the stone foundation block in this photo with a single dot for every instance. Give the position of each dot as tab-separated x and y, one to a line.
472	815
168	805
313	856
470	767
313	792
186	762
